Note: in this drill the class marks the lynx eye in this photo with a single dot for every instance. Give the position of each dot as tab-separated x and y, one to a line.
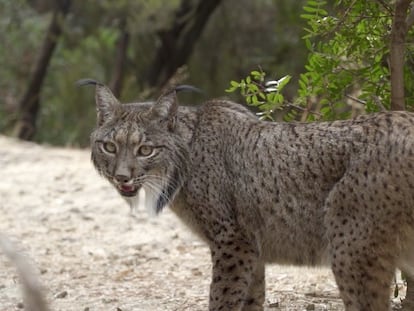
145	151
109	147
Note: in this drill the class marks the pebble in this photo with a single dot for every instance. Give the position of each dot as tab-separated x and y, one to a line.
310	307
63	294
274	304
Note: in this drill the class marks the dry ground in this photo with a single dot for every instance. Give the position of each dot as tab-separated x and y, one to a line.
93	254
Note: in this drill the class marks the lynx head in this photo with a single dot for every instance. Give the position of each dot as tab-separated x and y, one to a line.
136	145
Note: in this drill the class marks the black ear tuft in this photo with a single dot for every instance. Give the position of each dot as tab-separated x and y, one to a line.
87	81
106	102
187	88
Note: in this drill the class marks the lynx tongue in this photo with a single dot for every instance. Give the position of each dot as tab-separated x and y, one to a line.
128	190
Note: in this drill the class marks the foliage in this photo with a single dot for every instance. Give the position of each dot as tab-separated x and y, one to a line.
348	61
265	34
264	95
88	48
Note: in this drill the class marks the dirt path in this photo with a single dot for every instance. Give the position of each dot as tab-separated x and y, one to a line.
92	254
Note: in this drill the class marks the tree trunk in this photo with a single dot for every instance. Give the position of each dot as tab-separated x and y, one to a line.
178	41
29	104
397	54
400	26
120	60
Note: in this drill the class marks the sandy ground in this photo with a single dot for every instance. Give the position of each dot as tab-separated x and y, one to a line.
92	254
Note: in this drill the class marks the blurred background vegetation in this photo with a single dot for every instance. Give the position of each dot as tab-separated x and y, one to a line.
139	47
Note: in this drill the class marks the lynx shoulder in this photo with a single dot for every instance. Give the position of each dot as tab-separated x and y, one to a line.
335	193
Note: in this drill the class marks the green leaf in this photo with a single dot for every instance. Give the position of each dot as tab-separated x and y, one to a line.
257	75
316	10
231	89
255	100
253	88
308	44
307	16
283	81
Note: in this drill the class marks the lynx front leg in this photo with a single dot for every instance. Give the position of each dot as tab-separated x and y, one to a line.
238	277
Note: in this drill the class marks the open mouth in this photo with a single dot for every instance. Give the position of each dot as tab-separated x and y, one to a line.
128	190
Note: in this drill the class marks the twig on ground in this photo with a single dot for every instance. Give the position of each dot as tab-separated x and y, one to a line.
33	298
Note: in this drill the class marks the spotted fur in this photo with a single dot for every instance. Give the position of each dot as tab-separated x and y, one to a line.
330	193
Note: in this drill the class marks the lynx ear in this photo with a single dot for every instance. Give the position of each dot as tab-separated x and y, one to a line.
166	108
106	102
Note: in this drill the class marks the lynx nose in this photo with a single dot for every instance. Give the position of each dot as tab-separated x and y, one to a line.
122	178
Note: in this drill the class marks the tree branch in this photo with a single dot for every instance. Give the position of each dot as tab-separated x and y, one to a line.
33	297
177	42
120	59
29	103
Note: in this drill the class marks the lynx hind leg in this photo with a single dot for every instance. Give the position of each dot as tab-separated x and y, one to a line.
256	293
408	302
235	265
406	264
363	246
364	281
